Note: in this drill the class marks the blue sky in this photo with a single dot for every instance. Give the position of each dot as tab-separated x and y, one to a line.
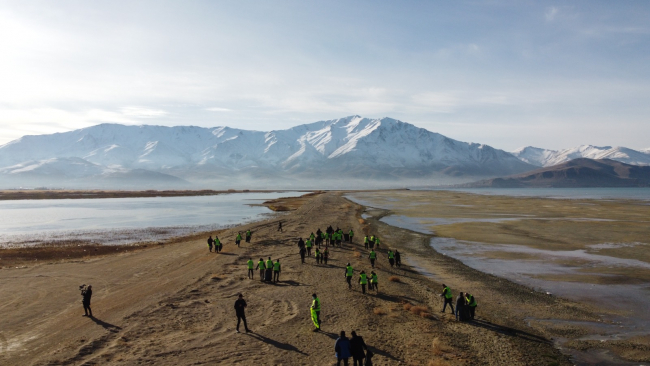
504	73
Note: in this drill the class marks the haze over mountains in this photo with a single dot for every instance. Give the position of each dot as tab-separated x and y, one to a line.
351	152
325	153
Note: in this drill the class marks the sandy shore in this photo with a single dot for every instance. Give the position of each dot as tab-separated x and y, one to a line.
172	304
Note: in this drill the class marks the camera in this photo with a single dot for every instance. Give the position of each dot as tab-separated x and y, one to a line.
82	287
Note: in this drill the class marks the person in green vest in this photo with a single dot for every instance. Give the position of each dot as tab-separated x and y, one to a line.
323	239
471	302
446	294
374	281
317	255
217	244
372	256
269	263
363	281
351	235
210	241
276	271
349	271
262	268
248	236
315	312
365	241
371	242
238	238
391	257
308	245
250	268
377	242
312	237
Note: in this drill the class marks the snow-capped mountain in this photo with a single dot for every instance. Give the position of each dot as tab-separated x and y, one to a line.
346	147
545	158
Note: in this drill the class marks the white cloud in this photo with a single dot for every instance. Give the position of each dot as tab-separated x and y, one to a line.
218	109
551	13
142	112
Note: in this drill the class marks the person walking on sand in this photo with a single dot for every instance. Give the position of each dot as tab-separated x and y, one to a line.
312	237
315	312
363	281
460	307
248	236
303	251
280	226
373	257
217	244
446	294
250	268
374	281
391	258
308	246
276	271
262	267
377	242
342	349
238	238
351	235
86	294
365	242
240	306
317	255
471	305
325	256
210	241
301	243
357	346
398	259
349	271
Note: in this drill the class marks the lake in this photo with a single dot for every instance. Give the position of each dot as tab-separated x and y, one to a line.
126	220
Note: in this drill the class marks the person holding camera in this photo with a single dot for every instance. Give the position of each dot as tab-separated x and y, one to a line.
86	293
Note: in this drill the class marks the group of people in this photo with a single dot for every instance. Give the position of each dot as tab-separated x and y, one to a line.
353	347
269	270
363	279
218	245
465	304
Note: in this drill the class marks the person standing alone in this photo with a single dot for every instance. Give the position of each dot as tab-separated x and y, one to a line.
87	293
315	311
240	306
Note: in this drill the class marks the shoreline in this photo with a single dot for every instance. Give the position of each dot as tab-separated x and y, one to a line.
36	194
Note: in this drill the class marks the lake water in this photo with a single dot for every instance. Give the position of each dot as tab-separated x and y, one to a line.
126	220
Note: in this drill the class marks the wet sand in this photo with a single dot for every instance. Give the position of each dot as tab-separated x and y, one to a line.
172	304
591	251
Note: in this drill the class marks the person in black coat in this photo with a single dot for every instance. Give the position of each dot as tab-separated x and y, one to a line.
357	347
460	307
240	306
87	293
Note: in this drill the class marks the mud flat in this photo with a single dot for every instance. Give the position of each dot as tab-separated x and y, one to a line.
593	252
172	304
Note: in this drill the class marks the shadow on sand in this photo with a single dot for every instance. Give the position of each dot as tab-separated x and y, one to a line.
108	326
508	331
280	345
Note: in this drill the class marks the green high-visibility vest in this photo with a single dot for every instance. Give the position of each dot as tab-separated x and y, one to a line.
269	264
312	237
365	239
373	255
351	233
216	242
373	279
276	266
308	243
447	292
261	265
316	304
250	264
391	255
471	301
317	253
377	241
363	279
349	271
238	236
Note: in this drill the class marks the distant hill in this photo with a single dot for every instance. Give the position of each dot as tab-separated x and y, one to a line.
370	150
544	157
575	173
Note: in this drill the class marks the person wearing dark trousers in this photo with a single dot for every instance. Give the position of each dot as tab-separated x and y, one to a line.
238	238
446	294
342	349
276	271
240	306
357	346
349	271
262	267
398	259
326	255
87	293
250	268
210	241
460	307
471	305
303	251
363	281
280	226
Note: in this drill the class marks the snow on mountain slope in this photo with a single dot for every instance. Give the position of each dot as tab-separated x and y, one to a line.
340	146
543	157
